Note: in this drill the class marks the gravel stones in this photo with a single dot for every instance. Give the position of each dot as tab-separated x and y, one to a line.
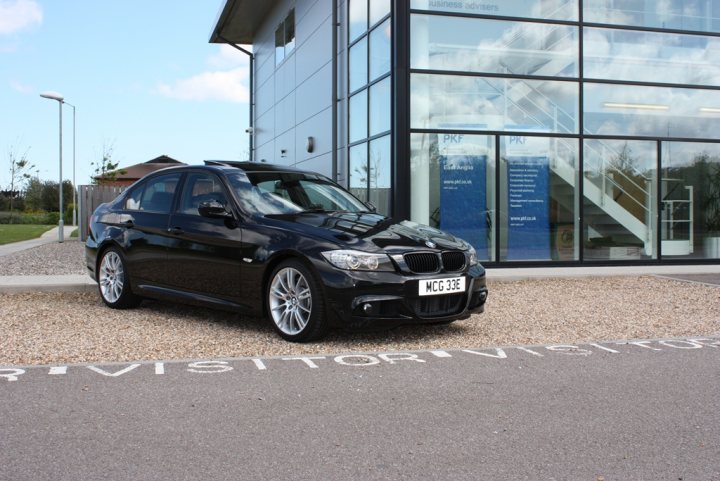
48	328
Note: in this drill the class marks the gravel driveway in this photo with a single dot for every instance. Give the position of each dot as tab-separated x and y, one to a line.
53	328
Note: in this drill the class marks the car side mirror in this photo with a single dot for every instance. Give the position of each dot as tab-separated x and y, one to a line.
214	210
371	207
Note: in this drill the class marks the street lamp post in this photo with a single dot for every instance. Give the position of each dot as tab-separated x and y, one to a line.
73	178
61	223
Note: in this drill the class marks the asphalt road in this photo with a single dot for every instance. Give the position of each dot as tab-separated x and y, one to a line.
642	411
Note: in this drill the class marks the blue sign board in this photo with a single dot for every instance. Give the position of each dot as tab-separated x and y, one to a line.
528	201
463	203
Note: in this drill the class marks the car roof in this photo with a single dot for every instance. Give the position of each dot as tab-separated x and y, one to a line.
252	166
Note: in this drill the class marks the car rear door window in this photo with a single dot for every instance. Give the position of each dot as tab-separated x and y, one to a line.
158	193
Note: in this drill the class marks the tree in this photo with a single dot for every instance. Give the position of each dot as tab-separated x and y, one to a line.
106	170
20	168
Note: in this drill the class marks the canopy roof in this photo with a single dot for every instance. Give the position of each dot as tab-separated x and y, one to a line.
239	20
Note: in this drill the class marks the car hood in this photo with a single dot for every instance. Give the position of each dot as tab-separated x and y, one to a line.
369	232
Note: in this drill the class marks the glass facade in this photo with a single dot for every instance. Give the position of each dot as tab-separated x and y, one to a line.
560	131
369	105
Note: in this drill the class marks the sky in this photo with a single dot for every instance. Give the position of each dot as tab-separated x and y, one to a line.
142	75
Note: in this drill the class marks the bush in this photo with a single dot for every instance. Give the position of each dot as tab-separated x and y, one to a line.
40	218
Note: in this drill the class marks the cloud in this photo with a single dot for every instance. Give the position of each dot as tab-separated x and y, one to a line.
228	57
21	87
224	85
16	15
226	81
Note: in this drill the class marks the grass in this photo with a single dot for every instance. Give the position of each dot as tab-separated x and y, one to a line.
75	233
20	232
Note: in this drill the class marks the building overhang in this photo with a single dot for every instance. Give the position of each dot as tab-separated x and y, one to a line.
239	20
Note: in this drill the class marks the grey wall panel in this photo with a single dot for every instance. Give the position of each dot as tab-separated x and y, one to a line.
302	8
264	97
285	114
315	52
265	128
285	78
315	16
264	70
321	164
285	142
266	152
320	128
314	95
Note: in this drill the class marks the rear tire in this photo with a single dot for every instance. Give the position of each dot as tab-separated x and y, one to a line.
295	303
114	282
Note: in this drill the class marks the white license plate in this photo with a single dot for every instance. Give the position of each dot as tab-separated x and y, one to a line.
437	287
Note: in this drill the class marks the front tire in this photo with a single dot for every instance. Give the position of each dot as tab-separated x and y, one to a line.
114	282
295	303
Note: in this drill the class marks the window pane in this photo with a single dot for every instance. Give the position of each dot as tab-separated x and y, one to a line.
290	32
700	15
647	56
651	111
158	193
446	101
358	65
379	171
619	201
494	46
690	193
380	50
279	44
358	171
452	186
378	10
358	116
549	9
358	13
539	199
200	188
380	107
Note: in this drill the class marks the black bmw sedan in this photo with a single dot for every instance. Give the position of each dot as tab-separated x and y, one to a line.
272	241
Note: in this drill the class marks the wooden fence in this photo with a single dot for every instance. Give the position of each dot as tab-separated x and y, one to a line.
89	198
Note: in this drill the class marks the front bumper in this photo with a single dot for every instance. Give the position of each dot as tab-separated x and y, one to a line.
368	300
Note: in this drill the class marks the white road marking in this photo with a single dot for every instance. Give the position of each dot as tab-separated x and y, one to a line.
102	371
440	353
362	360
500	353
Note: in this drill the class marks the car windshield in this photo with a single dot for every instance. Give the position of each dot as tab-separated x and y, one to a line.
273	193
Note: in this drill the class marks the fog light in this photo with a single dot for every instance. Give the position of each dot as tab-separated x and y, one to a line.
367	308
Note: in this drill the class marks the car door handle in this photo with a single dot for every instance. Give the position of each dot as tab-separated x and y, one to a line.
175	231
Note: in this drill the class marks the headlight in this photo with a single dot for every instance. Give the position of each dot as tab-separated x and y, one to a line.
472	256
358	261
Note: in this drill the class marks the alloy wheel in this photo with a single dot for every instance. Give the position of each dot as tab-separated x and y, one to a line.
290	301
112	277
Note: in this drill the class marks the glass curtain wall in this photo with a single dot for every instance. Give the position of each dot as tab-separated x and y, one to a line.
369	93
568	130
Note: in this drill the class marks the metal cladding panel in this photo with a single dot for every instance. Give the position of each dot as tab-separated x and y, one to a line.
265	128
264	98
309	19
315	94
285	78
286	143
285	114
319	128
321	164
312	55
